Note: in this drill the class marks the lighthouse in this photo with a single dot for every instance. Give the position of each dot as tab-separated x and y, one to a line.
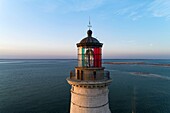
89	81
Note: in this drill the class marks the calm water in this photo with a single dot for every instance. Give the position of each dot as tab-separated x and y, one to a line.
39	86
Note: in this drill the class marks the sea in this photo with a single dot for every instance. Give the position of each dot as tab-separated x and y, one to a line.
40	86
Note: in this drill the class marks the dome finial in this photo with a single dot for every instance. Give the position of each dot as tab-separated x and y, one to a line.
89	32
89	23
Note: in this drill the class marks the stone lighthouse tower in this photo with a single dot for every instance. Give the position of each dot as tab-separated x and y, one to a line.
89	80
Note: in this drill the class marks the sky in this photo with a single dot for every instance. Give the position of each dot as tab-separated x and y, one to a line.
50	29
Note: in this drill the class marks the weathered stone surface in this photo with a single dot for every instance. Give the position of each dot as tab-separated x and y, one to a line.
85	100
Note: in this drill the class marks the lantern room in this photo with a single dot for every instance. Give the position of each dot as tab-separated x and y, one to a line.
89	52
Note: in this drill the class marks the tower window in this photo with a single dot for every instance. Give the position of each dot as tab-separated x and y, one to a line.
94	74
78	74
82	77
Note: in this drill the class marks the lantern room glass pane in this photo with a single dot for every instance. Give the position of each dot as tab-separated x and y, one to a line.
83	60
89	57
97	57
79	57
80	50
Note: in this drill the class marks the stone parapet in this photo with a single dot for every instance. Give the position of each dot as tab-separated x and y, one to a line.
89	84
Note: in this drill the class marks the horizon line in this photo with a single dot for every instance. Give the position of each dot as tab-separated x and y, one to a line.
77	59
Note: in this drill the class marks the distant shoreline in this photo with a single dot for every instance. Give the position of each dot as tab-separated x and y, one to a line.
138	63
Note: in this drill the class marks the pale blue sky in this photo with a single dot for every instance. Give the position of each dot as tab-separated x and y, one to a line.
51	28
